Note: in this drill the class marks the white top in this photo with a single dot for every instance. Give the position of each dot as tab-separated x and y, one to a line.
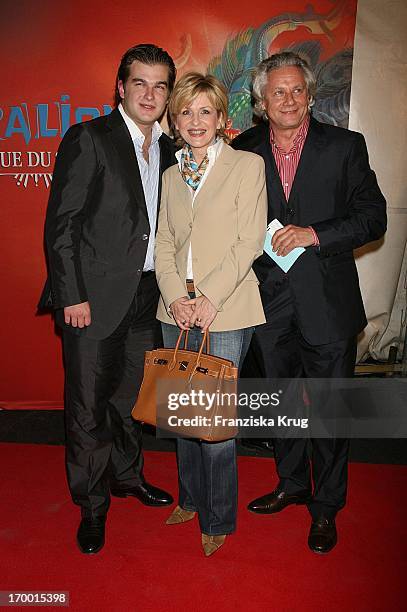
150	174
213	152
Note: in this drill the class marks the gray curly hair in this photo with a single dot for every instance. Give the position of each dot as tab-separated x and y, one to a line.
280	60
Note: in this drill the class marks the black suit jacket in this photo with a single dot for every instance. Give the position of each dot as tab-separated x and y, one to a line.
336	192
97	228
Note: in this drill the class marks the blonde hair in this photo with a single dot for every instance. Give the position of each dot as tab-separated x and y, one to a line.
188	88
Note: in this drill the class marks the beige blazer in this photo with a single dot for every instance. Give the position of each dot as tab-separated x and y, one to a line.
226	228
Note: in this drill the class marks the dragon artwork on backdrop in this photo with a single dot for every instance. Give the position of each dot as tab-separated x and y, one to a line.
242	53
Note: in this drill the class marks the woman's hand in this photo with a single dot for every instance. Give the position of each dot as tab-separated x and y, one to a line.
203	314
182	311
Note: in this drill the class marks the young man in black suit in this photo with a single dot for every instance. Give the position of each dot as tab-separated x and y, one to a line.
321	188
99	233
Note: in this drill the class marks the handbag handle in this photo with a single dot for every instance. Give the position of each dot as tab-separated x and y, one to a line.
205	341
222	369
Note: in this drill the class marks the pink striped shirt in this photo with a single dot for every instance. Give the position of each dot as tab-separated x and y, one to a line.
287	161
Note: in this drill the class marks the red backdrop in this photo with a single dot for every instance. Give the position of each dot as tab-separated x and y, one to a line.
53	49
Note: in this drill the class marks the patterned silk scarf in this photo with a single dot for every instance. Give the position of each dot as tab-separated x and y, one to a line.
191	172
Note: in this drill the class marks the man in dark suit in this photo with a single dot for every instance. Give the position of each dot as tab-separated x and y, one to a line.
323	191
99	233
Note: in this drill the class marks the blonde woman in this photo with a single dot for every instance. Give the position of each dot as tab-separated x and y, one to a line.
211	228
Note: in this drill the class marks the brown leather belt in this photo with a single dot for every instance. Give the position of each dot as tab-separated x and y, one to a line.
190	285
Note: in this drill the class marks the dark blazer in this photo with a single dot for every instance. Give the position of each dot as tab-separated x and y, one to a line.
97	228
336	192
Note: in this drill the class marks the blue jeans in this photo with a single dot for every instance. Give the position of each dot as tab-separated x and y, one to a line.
207	471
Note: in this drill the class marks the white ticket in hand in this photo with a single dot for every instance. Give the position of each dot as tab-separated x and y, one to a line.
285	262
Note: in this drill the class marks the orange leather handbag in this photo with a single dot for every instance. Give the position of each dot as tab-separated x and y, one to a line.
188	393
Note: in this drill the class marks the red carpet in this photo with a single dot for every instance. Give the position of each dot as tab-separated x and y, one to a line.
146	565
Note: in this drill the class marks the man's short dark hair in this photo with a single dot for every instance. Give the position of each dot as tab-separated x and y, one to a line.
146	54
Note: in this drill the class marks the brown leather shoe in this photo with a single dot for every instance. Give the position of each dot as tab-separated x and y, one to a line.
179	515
276	501
322	536
212	543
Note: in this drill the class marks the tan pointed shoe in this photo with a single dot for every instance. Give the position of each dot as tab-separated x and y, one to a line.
179	515
212	543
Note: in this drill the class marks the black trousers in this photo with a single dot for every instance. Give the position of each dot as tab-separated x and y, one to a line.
102	381
284	353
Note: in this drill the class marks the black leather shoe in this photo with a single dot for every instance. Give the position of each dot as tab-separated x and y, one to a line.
277	500
322	536
146	493
258	444
91	535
